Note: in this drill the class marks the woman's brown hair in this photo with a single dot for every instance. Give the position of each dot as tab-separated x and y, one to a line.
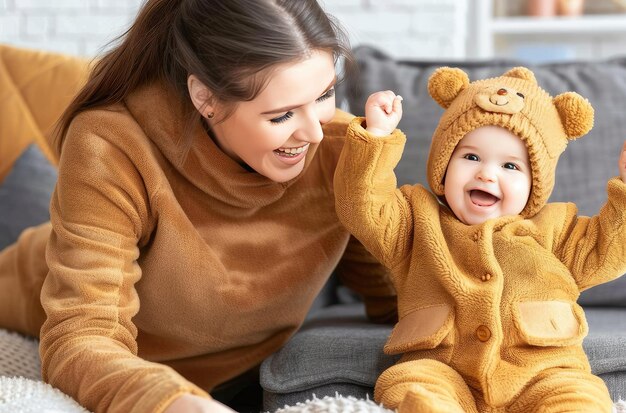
227	44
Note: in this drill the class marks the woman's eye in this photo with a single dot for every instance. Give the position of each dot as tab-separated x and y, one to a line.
282	118
329	94
471	157
511	166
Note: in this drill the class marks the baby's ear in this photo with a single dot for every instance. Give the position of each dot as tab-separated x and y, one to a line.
446	83
576	114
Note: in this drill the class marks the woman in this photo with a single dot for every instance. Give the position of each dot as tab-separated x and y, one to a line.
193	220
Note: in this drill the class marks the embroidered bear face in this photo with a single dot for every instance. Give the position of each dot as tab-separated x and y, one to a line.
500	99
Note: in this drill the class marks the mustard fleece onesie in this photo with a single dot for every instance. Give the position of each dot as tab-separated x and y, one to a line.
488	319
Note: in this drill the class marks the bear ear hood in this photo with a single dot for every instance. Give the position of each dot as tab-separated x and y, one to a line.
576	114
445	84
514	101
521	73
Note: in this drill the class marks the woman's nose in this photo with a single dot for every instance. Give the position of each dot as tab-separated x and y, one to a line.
311	129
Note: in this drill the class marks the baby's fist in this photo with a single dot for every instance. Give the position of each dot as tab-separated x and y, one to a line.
383	111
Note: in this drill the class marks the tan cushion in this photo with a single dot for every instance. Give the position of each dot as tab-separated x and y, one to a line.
35	88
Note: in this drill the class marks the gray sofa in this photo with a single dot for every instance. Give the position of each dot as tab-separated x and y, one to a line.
337	350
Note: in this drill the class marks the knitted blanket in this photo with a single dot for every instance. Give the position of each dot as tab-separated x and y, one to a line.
23	391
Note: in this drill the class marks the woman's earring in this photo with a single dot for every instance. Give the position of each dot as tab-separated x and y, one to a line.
210	115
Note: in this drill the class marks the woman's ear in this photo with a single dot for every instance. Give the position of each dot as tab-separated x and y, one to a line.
200	96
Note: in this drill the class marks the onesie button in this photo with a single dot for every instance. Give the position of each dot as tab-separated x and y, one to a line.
486	277
483	333
476	236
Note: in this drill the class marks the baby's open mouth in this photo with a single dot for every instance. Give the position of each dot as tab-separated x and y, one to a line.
482	198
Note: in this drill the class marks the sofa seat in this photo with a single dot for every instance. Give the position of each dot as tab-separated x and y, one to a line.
339	351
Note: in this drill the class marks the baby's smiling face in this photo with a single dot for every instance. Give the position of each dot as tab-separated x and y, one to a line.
488	176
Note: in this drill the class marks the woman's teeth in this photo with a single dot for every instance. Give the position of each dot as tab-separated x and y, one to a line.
292	151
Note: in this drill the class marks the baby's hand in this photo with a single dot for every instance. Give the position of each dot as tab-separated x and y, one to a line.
622	163
383	111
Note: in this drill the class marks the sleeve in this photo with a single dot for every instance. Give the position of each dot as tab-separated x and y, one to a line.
88	343
367	199
594	248
363	274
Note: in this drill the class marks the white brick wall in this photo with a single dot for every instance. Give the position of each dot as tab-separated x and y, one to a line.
404	28
80	27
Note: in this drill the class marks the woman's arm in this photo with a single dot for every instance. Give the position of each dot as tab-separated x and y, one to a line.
99	214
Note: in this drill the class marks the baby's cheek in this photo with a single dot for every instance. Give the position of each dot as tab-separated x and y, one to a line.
519	190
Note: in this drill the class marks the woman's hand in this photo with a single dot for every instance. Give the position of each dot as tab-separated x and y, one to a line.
383	111
622	163
189	403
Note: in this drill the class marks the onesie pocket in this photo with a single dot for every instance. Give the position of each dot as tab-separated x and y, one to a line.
422	329
550	323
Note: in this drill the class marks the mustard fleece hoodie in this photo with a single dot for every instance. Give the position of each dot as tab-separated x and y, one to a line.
485	310
170	267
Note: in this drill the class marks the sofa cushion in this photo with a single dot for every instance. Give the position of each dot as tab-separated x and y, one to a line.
35	88
584	168
338	350
25	194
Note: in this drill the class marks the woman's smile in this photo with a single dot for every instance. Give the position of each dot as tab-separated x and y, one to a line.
291	156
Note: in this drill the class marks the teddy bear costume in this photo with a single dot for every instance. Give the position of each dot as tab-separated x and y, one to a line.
488	319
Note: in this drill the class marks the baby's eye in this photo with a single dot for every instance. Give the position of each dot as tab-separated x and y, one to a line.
471	157
510	165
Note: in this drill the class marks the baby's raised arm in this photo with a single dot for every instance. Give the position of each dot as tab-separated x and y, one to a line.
367	199
383	111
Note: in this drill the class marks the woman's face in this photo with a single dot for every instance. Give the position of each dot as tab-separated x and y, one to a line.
271	134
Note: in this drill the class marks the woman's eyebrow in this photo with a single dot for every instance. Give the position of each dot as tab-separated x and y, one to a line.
288	108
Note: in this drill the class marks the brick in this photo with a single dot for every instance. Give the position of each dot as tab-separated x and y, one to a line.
439	23
92	26
370	21
7	5
416	47
419	5
55	5
9	27
350	5
130	5
95	48
36	25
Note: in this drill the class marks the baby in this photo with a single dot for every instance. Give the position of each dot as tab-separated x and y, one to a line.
487	272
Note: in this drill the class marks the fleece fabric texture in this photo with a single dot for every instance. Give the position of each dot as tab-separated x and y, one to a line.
488	310
170	268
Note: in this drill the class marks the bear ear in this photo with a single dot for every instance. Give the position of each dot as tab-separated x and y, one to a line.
521	73
576	114
445	84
